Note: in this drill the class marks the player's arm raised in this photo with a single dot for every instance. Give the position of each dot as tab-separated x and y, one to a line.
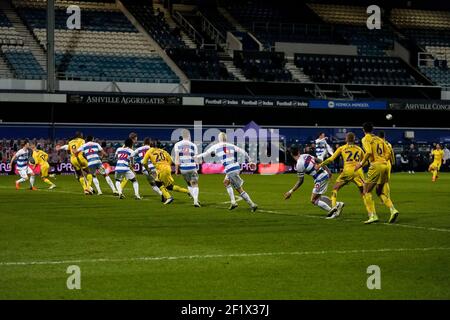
301	178
336	154
208	152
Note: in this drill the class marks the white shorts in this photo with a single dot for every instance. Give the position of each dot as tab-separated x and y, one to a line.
23	173
98	167
190	175
235	180
129	175
320	186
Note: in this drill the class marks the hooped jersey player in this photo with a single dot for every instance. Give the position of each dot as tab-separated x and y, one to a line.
306	164
139	155
323	149
226	153
185	152
91	152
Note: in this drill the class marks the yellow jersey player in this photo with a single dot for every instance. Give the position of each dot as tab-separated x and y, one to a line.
162	161
351	154
377	153
79	162
390	158
41	158
435	166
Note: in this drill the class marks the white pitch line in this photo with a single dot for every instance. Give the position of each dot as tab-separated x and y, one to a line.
230	255
387	224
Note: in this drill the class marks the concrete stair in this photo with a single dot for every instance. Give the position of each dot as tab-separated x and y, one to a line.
22	30
296	73
234	70
172	24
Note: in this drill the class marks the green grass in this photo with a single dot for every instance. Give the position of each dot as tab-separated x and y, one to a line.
212	253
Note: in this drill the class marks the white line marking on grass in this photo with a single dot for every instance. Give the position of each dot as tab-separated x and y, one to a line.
230	255
388	224
417	227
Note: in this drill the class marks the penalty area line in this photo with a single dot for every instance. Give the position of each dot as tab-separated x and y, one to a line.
219	256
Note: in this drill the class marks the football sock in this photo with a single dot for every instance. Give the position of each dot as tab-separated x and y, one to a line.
435	173
47	181
110	183
96	184
327	201
368	202
195	192
83	183
247	199
386	200
89	180
119	187
157	191
136	188
180	189
32	180
164	192
231	194
333	198
123	183
387	190
322	204
21	180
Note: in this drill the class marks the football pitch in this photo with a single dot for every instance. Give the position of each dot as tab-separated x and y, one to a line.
129	249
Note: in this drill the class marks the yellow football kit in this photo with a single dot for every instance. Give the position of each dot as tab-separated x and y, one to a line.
162	161
435	166
438	156
78	161
377	152
41	159
351	154
390	158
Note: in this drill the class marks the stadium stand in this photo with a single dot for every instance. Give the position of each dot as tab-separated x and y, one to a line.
262	66
156	25
22	62
18	58
350	23
200	63
107	48
430	30
282	23
355	69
